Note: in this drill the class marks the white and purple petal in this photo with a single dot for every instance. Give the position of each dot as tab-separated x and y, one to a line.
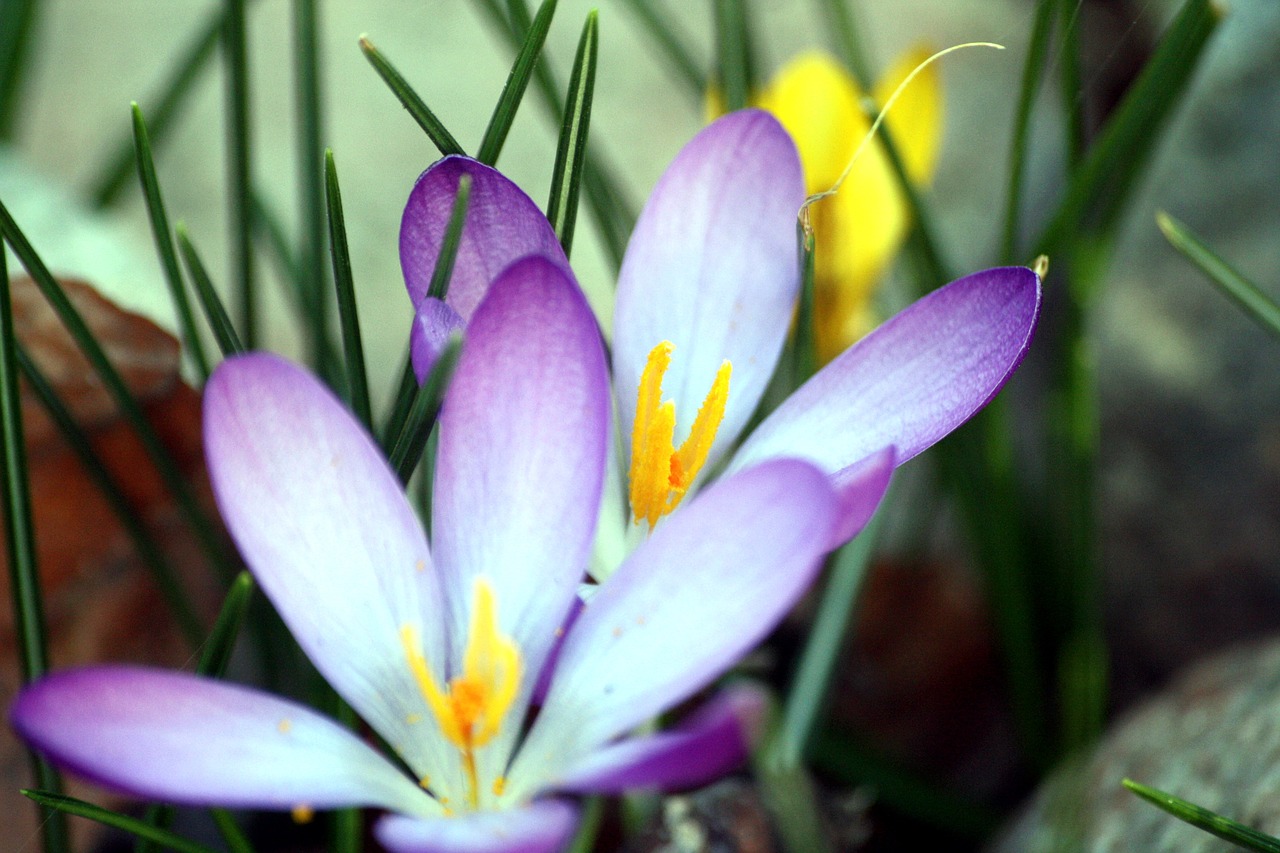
540	827
715	740
521	455
503	225
712	267
324	526
434	322
177	738
914	379
709	583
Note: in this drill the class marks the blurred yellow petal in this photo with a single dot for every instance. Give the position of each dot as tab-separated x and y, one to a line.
818	103
916	118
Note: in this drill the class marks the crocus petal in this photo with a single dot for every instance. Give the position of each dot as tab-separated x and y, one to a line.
706	586
861	487
918	376
502	225
522	453
177	738
542	827
325	527
714	741
433	324
712	267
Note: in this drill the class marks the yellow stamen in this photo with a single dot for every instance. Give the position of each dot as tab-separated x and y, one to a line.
660	474
471	707
303	813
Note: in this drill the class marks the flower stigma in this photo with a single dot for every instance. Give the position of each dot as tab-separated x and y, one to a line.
660	474
471	707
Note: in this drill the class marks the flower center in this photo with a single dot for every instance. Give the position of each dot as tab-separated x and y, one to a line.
660	473
472	706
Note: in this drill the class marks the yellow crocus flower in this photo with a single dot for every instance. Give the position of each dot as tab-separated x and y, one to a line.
861	228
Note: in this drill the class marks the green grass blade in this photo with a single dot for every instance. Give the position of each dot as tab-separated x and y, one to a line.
20	547
133	826
17	22
1202	818
312	278
216	653
352	348
1032	70
791	797
231	832
826	639
850	764
164	243
162	571
733	53
161	817
173	95
1100	188
119	392
401	403
438	288
406	453
215	313
584	840
566	176
843	27
517	81
270	230
680	60
1246	294
612	212
1071	86
240	167
417	108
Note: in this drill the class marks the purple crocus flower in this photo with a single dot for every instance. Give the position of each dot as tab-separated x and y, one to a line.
704	300
439	648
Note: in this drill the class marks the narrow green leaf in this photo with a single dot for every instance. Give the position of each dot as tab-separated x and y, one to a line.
164	243
804	343
571	153
438	288
401	403
352	348
165	576
843	27
1202	818
417	108
346	826
406	453
1100	188
161	817
172	96
1071	86
584	840
20	547
17	22
216	653
1032	70
822	650
270	230
613	214
240	166
1246	294
849	763
679	57
230	831
517	81
224	331
792	798
733	53
131	825
311	280
924	244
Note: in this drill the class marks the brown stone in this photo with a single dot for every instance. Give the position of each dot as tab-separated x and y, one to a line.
101	603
